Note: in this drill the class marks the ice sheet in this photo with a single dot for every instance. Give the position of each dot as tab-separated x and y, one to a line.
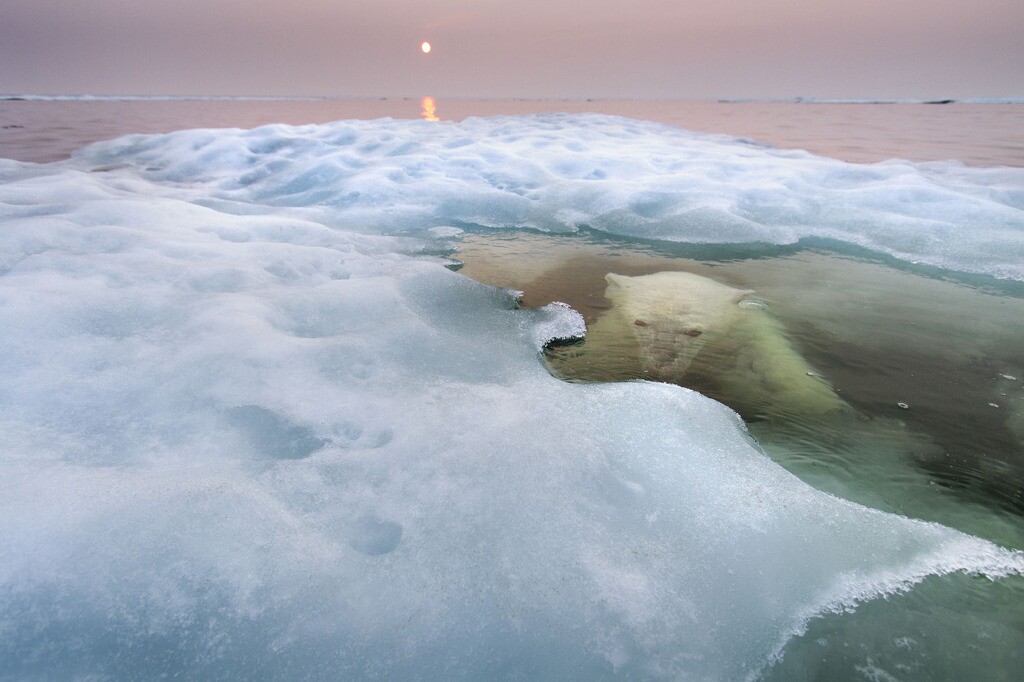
244	438
560	172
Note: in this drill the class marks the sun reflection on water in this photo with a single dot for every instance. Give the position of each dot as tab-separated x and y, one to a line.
429	107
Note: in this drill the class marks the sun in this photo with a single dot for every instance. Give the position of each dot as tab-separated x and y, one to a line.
425	47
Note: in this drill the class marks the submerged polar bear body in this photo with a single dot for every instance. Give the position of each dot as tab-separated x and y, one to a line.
686	323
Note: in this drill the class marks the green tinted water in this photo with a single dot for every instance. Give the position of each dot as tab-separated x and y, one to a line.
895	387
882	338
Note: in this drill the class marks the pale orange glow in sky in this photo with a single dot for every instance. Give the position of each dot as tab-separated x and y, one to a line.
425	47
673	49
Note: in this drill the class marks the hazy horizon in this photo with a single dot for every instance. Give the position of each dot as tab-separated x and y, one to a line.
654	49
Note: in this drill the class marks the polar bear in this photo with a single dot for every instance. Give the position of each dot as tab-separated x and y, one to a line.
688	324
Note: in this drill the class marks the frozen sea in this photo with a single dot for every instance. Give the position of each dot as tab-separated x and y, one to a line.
319	389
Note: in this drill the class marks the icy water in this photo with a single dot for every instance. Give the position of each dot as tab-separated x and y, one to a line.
926	372
890	380
880	335
977	134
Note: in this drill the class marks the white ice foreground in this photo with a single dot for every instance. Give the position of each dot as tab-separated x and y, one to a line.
247	431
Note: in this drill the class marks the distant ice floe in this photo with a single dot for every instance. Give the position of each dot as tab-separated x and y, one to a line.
250	430
870	100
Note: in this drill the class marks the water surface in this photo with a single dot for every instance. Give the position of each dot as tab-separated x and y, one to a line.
976	134
929	370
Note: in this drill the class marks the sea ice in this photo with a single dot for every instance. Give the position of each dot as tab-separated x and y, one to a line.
561	172
246	433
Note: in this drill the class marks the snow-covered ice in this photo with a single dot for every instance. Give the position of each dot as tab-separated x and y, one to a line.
252	428
558	172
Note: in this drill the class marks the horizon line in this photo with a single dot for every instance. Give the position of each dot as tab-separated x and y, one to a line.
84	97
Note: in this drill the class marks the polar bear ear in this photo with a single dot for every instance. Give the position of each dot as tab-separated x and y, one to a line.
617	280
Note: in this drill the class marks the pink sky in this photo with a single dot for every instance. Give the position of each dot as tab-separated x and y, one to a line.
531	48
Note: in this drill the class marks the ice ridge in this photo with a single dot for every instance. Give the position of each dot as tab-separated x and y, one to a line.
562	172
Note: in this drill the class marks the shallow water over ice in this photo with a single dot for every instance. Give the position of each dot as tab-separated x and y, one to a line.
875	336
253	428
